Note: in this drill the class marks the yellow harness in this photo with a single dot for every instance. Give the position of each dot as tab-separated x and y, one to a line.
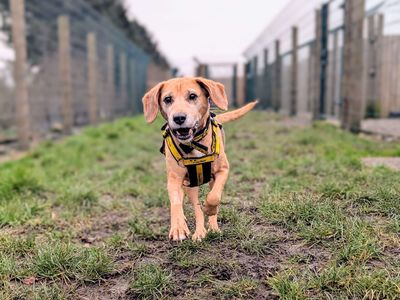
198	168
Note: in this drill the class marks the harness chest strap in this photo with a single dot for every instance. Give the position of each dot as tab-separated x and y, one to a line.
199	168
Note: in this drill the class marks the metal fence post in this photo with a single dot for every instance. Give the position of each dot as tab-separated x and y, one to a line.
22	110
277	78
123	83
110	81
92	76
64	56
254	70
134	86
324	58
352	113
321	61
294	69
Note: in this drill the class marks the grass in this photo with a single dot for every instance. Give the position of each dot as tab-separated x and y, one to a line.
150	281
302	218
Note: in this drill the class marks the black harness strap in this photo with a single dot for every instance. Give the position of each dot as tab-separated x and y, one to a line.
198	168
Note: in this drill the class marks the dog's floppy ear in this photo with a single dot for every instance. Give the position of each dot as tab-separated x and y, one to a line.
216	92
150	103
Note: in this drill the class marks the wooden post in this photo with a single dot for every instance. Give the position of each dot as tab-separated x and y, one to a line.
379	61
64	56
352	112
316	109
294	70
266	83
235	85
22	110
277	78
334	74
110	81
375	32
92	77
123	83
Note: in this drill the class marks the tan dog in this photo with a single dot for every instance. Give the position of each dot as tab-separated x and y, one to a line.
185	105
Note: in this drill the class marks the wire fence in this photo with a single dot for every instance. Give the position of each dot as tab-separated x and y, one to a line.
62	65
333	59
226	73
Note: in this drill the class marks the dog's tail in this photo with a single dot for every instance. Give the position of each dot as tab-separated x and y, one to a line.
235	114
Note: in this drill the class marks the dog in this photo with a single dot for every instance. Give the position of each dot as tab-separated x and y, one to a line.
194	147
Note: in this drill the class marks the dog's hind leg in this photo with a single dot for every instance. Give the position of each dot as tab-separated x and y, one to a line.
193	195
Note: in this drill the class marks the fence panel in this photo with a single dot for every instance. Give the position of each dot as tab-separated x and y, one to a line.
347	77
80	68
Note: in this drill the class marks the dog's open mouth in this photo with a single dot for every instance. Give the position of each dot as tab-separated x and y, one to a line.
183	133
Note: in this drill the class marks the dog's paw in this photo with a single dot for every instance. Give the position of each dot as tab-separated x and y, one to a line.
213	226
210	210
179	232
199	234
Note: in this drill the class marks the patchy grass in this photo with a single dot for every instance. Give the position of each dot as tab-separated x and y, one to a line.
301	218
150	281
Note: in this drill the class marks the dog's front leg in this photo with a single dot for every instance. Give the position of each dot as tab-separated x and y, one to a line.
179	229
193	195
215	194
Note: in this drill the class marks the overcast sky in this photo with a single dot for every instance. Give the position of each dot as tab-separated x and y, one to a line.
211	30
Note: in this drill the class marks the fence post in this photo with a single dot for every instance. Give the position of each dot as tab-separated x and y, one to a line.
254	69
123	83
379	61
317	66
64	56
321	61
92	76
293	85
353	65
266	83
235	85
110	81
374	36
334	63
22	110
134	86
277	78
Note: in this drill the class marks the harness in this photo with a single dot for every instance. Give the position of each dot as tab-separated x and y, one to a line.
198	168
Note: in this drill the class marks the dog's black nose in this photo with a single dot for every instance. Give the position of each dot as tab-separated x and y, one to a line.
180	119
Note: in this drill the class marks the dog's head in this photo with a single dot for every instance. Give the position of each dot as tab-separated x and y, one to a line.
184	103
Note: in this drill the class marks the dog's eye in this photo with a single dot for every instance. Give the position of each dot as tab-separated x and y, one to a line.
192	96
168	100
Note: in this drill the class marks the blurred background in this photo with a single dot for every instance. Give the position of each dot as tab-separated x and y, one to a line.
65	64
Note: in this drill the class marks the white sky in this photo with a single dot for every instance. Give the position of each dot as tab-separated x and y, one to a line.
211	30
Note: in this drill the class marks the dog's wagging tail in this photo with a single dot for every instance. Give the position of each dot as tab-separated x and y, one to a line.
194	147
235	114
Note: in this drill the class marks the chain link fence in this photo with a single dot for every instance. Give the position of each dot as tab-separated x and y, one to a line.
62	65
331	60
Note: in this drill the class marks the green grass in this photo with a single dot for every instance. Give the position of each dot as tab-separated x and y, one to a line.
150	281
301	218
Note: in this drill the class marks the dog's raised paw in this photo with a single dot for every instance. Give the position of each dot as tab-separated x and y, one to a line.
210	210
199	234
